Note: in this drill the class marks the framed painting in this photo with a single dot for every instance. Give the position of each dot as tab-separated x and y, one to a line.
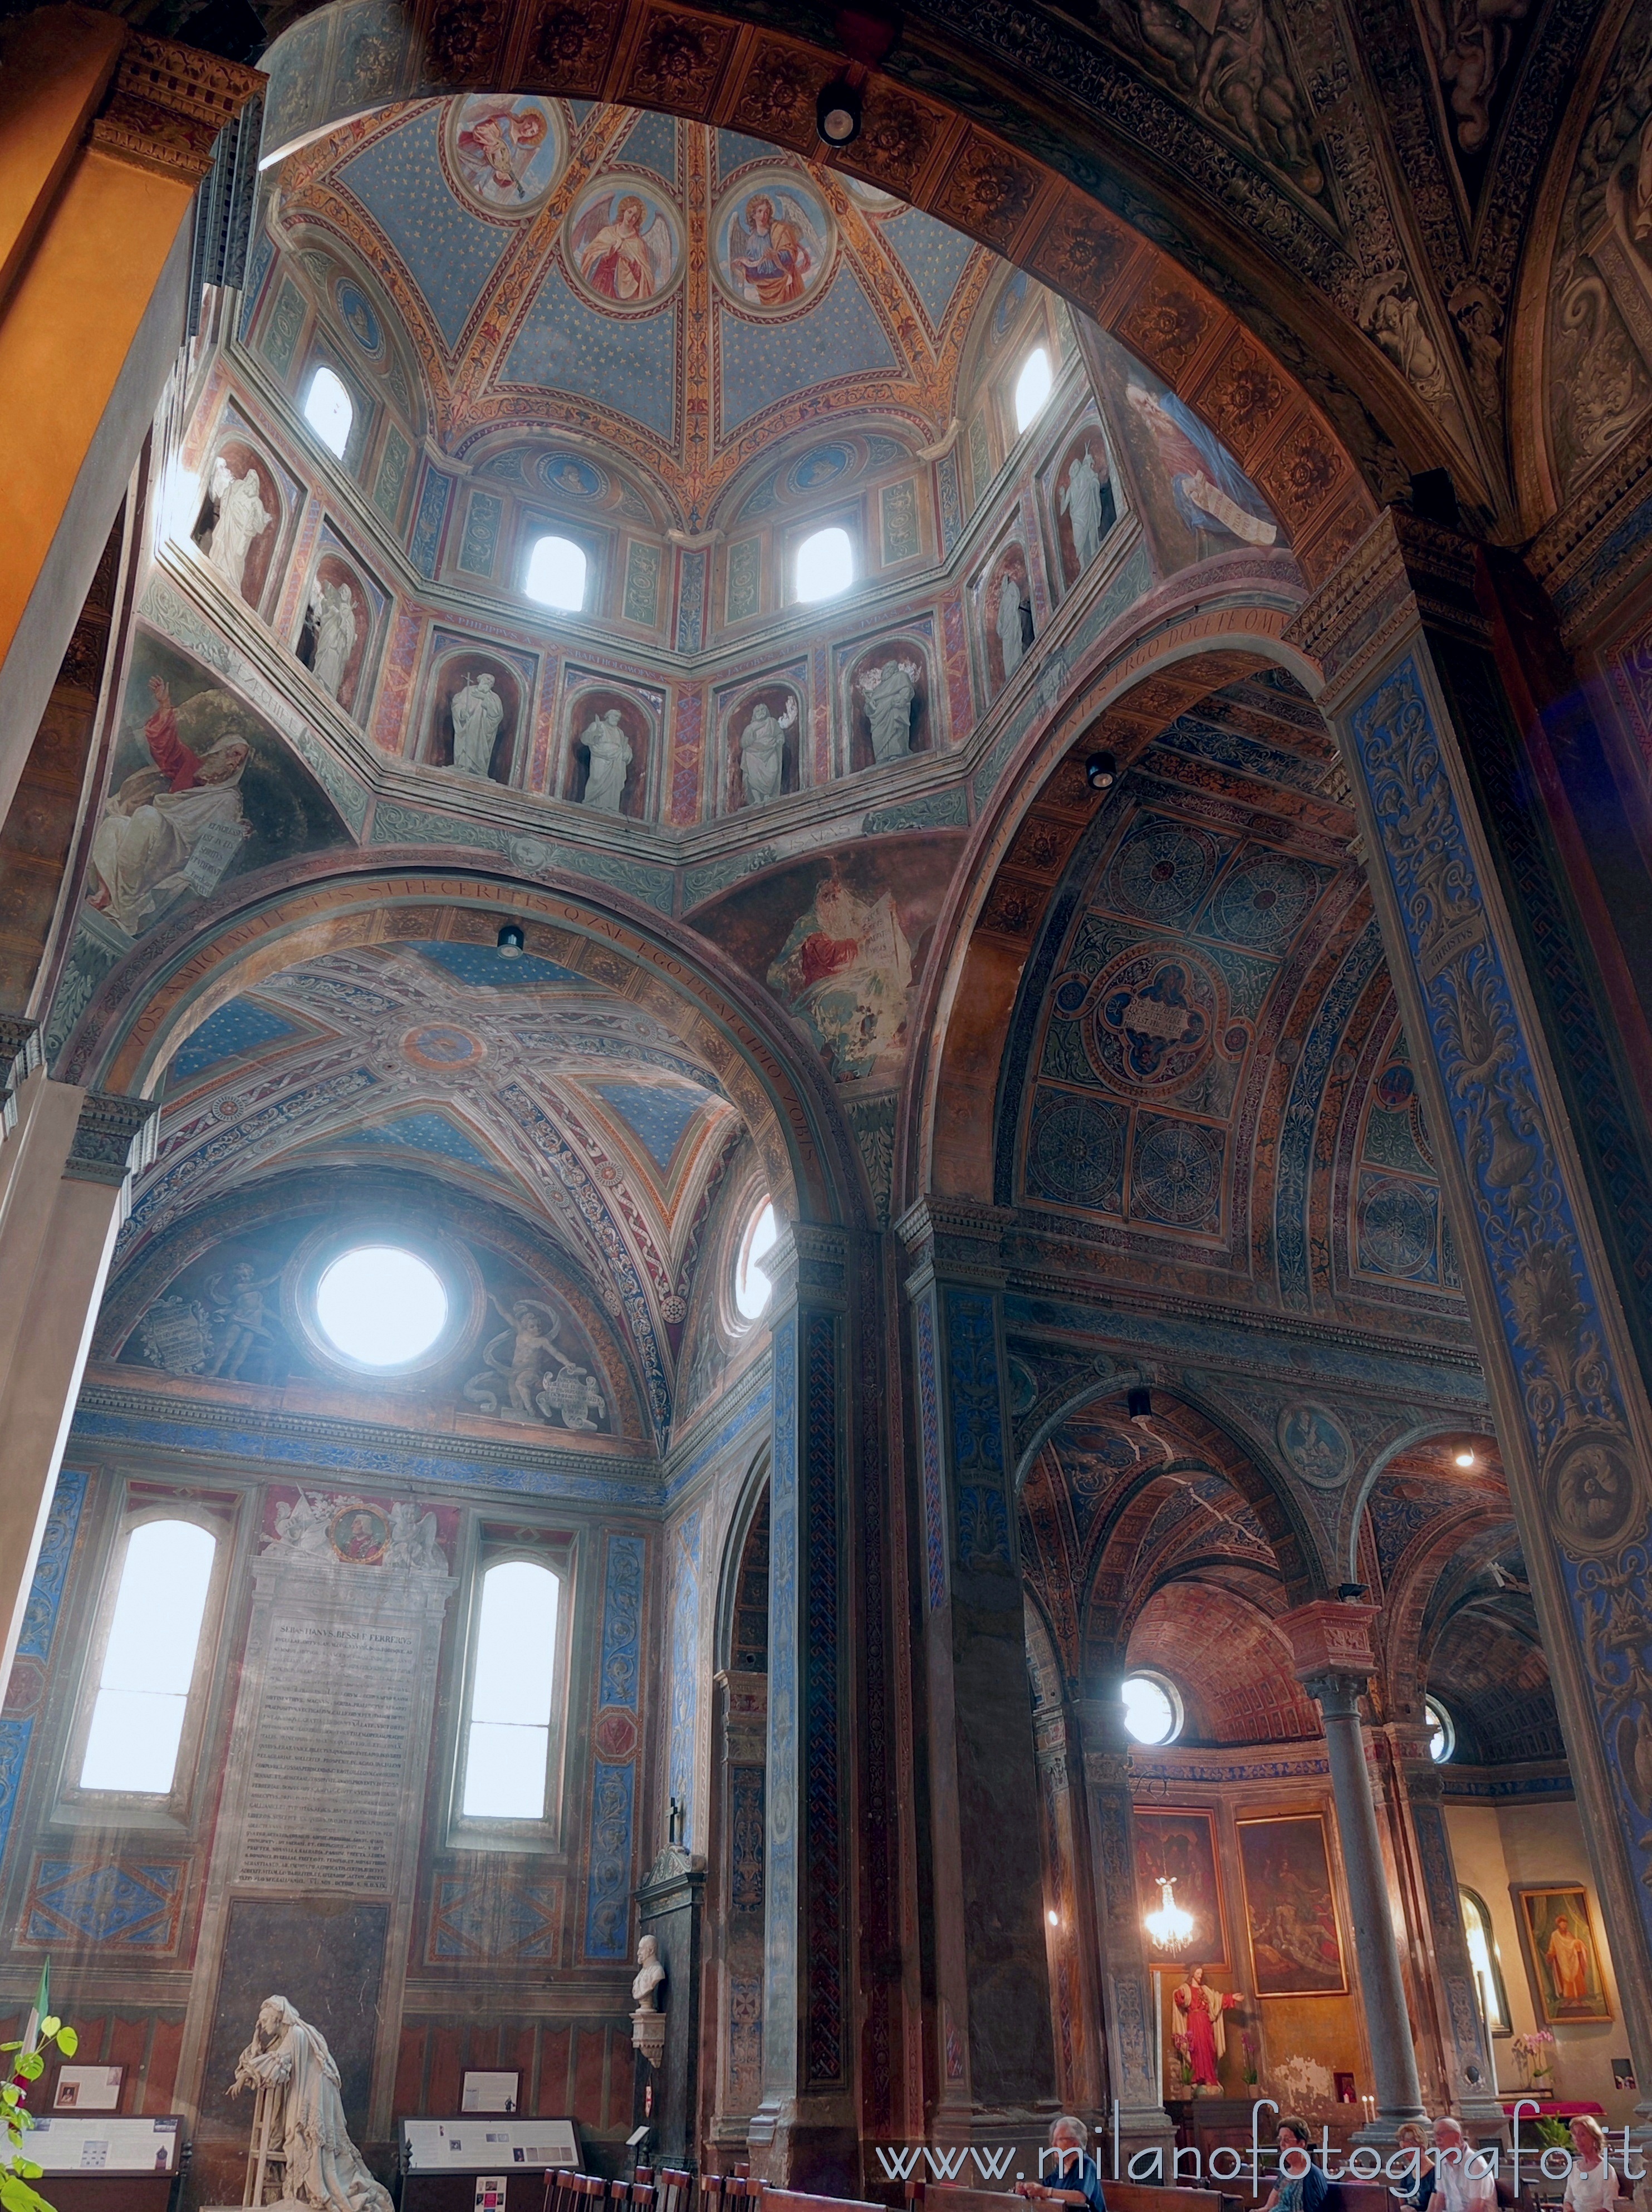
1180	1848
1562	1953
1290	1910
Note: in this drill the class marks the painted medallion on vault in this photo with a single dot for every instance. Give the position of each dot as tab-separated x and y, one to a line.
772	242
503	154
622	243
1147	1020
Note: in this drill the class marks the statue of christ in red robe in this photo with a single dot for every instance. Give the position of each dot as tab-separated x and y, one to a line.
1199	2013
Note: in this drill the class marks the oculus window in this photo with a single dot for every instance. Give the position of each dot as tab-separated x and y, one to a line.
507	1731
379	1306
556	574
1152	1708
752	1287
1032	388
825	564
1441	1734
148	1662
328	410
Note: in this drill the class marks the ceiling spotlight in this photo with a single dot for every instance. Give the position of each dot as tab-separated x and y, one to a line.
837	113
1350	1593
1054	1919
1101	771
1462	1456
511	940
1140	1404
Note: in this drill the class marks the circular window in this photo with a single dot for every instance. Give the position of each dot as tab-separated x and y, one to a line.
1152	1708
752	1287
380	1305
1441	1734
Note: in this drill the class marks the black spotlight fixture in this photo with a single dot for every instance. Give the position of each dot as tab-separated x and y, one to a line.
1101	771
511	940
837	113
1350	1593
1140	1403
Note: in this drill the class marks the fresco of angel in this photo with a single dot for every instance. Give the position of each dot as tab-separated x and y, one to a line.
621	254
774	249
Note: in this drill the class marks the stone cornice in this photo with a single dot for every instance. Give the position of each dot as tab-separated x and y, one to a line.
1401	571
114	1138
1584	556
169	103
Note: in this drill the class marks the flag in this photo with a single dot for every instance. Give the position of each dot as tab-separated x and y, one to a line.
42	2006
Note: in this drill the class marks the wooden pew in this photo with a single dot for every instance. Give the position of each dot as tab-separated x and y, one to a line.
1121	2196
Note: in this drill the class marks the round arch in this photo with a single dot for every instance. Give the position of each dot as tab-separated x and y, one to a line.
1358	1496
1037	187
749	1505
182	973
1131	690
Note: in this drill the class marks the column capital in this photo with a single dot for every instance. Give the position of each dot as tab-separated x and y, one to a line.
168	104
809	1262
958	1238
1329	1636
20	1055
114	1138
1401	571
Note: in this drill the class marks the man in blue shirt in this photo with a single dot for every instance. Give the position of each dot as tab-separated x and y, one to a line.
1071	2176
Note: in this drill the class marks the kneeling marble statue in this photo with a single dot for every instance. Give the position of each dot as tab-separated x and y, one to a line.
288	2063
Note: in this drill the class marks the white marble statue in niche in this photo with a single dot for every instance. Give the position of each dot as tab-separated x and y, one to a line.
477	710
241	517
1082	502
332	610
888	693
763	751
1014	623
609	751
301	2153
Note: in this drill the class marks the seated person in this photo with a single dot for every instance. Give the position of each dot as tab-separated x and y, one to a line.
1301	2186
1071	2177
1463	2180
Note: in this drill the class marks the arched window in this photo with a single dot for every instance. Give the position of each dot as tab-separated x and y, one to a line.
1442	1731
507	1737
1032	387
329	409
752	1287
825	564
1482	1958
149	1661
1152	1708
557	573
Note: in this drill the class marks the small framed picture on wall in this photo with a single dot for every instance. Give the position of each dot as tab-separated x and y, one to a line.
1562	1953
88	2089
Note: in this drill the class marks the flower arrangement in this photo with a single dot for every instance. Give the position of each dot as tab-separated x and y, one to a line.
1183	2046
1536	2054
1248	2047
44	2032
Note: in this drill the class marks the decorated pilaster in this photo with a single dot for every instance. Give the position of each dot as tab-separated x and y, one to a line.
1418	1835
76	1156
804	2134
994	2055
1331	1642
1127	1993
1496	993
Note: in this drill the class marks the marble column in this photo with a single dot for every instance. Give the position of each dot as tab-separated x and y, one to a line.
805	2133
1127	1993
1331	1642
994	2054
1541	1146
1418	1831
77	1152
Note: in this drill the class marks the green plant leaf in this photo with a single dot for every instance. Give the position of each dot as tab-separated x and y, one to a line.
49	2025
28	2168
31	2066
68	2042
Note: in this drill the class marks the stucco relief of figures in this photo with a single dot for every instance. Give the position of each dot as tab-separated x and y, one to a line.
236	1322
1473	42
527	1377
1236	72
1601	301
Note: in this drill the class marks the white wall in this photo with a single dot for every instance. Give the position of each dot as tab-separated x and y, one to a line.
1497	1847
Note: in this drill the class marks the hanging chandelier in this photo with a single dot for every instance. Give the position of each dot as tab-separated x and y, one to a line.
1170	1926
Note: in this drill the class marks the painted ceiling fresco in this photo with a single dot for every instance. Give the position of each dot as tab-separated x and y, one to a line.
1215	1078
680	295
519	1083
